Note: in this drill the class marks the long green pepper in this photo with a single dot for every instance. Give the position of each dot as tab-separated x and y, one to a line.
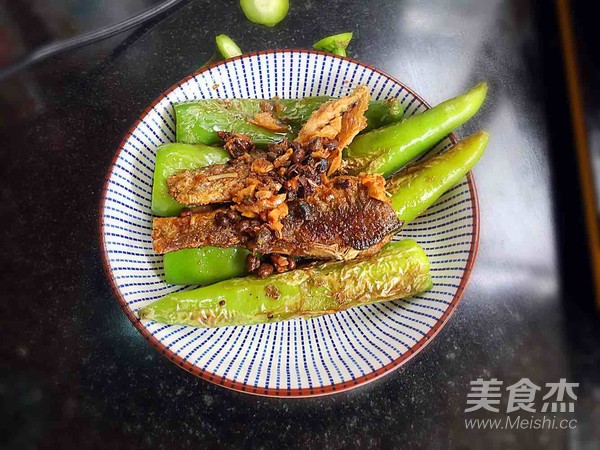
399	270
206	265
418	186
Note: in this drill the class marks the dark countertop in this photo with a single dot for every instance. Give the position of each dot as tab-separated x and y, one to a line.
75	372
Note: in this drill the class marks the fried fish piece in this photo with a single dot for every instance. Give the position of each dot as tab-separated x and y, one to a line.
340	220
341	119
211	184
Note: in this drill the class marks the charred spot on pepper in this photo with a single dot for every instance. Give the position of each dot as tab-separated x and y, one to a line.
272	291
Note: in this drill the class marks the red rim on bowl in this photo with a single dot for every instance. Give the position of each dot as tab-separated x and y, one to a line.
279	392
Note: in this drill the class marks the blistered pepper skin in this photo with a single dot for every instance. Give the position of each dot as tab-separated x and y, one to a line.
416	187
399	270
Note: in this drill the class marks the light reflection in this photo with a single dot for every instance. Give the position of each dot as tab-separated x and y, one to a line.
435	52
517	226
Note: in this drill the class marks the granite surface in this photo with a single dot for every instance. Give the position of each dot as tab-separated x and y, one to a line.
76	374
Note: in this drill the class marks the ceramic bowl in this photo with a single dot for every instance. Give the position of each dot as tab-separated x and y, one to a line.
297	357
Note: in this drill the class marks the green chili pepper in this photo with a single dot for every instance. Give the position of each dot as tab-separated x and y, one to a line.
387	149
198	121
172	158
227	47
401	269
205	265
265	12
416	187
335	44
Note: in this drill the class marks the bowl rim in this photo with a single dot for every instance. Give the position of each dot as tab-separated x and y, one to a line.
284	392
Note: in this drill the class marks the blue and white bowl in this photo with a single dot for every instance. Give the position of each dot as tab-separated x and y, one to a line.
294	358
